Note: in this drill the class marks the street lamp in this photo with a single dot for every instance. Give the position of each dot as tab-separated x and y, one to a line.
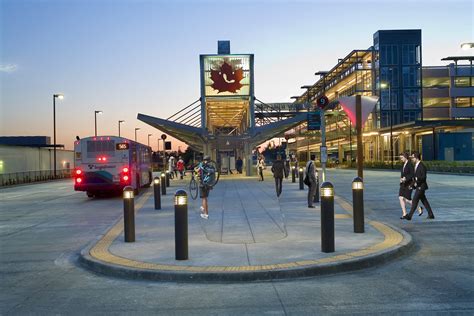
60	97
136	129
467	46
149	139
119	122
308	106
386	85
95	120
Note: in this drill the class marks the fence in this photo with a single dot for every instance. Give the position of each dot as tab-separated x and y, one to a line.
33	176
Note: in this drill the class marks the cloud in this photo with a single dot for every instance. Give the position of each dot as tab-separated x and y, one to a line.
8	68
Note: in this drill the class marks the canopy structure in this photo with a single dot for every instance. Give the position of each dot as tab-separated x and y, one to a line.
223	124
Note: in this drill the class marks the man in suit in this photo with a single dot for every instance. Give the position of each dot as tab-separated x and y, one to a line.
420	187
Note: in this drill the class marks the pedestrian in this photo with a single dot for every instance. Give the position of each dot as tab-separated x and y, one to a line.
278	170
207	175
238	164
260	167
312	174
180	167
287	167
171	165
406	184
420	186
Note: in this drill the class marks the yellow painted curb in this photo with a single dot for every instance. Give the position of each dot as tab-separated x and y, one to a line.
100	251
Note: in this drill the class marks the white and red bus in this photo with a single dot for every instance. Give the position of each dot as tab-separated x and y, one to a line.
109	163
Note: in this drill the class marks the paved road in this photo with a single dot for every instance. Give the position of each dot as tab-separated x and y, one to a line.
43	226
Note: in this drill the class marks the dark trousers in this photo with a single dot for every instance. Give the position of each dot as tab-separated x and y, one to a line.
278	185
260	172
311	193
420	196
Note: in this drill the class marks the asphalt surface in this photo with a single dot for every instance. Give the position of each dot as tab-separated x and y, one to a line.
44	226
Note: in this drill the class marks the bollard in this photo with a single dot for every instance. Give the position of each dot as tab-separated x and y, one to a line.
129	214
316	196
156	191
181	225
327	217
167	178
301	179
358	204
163	181
293	174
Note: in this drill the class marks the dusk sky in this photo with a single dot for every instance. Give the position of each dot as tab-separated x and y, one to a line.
129	56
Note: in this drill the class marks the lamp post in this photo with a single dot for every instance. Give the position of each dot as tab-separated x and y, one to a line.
149	139
308	105
95	120
60	97
136	129
119	122
386	85
296	133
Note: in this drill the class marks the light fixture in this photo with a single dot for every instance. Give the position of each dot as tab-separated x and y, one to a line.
467	46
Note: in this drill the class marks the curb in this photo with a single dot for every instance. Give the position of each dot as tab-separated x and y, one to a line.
353	264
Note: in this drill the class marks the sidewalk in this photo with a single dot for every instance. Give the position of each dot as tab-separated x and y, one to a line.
250	235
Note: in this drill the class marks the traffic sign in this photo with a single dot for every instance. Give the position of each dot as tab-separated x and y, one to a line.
314	121
322	101
163	136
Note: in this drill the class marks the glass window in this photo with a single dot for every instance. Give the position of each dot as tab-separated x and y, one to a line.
436	102
385	99
411	99
408	54
411	76
461	82
463	102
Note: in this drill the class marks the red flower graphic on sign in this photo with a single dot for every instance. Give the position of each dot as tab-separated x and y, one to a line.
227	79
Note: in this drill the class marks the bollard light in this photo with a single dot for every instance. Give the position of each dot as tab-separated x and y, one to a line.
327	217
358	204
327	190
180	199
357	184
163	183
128	192
301	178
128	214
293	168
156	193
181	225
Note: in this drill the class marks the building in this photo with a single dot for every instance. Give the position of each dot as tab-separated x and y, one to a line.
30	158
415	103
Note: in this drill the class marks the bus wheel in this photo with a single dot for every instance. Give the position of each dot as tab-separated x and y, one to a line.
90	194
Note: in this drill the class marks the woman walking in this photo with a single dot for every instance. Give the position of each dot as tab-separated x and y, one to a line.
406	181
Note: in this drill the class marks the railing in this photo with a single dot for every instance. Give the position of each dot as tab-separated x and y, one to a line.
13	178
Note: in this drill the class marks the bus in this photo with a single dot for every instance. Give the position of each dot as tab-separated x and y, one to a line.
107	164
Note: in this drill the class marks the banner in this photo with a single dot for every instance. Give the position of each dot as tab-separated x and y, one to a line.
226	75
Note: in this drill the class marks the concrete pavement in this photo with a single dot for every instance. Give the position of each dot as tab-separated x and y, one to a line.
250	235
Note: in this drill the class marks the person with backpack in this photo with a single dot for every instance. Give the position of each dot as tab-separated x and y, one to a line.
312	179
278	170
206	176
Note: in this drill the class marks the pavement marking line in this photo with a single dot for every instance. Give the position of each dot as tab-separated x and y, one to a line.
100	251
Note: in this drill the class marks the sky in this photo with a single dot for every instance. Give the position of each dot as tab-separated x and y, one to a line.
125	57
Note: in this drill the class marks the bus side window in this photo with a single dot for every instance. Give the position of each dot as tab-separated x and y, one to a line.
134	156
